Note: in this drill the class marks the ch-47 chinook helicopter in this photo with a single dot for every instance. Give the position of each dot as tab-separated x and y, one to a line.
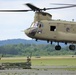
45	28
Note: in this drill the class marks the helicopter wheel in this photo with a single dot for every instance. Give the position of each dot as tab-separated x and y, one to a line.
57	47
72	47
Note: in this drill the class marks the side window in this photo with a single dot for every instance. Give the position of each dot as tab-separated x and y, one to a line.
40	25
52	28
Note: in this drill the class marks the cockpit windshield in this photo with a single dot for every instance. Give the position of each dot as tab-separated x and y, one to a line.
37	24
34	24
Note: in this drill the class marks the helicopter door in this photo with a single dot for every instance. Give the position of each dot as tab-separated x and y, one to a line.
53	32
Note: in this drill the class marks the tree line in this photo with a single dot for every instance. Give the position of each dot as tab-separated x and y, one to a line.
33	50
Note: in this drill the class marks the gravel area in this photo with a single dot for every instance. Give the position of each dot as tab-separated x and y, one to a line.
39	70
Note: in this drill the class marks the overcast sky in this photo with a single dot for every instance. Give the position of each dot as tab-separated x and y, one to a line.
13	23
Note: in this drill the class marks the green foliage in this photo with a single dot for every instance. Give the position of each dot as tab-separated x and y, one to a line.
33	50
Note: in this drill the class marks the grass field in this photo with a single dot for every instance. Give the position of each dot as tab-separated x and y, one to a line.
50	60
55	61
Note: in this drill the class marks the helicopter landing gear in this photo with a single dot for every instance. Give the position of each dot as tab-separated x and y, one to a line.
72	47
58	47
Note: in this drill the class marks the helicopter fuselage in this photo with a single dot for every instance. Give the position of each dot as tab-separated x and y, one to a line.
55	30
47	29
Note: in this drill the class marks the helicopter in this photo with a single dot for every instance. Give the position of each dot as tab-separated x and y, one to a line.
45	28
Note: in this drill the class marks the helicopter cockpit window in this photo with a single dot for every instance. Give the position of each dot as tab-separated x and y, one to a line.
40	25
37	24
34	24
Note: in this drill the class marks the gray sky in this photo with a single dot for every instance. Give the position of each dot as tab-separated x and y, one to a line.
13	23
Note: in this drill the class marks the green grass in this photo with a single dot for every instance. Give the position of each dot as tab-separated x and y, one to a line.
56	61
43	61
12	60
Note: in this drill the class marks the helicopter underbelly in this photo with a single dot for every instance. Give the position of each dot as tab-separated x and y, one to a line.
59	36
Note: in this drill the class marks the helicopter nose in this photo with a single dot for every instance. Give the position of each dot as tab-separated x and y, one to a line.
26	32
30	32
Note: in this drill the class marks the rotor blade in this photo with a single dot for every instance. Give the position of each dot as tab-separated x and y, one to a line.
59	7
14	10
61	4
34	8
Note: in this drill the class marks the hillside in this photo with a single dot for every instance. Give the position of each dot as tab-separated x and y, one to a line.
33	50
22	47
18	41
